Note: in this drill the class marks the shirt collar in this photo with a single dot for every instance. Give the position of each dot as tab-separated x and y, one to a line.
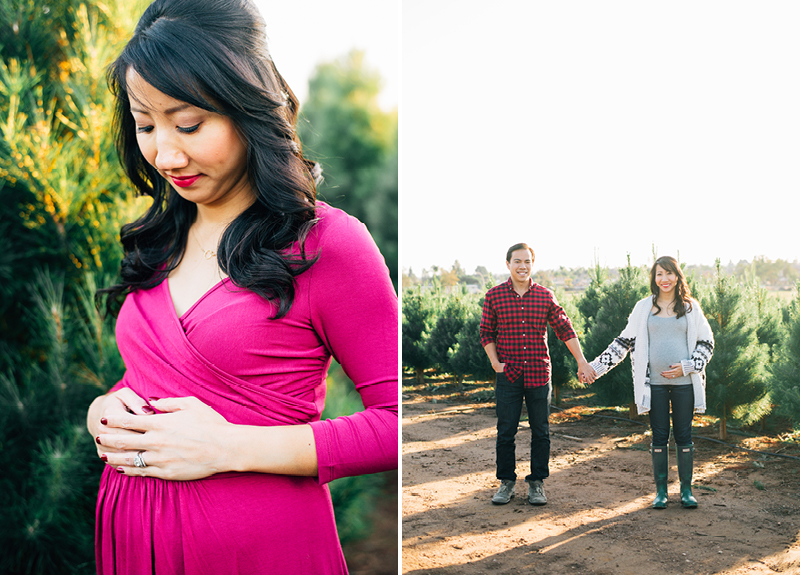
510	284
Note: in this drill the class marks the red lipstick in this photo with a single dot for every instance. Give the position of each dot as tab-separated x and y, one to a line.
186	181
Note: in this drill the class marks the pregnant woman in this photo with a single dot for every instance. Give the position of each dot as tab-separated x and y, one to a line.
239	287
670	343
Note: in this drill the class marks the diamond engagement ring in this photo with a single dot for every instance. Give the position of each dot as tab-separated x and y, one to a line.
138	461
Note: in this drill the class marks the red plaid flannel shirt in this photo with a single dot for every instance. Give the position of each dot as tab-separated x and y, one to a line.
518	326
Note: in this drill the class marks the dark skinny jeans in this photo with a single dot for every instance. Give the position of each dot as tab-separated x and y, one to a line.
682	399
509	397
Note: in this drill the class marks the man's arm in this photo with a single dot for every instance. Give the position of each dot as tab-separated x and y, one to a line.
562	326
585	371
488	332
491	351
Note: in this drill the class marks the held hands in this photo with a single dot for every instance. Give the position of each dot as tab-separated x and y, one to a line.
186	441
586	373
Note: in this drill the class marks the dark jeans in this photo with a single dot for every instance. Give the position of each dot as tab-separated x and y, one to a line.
682	399
509	397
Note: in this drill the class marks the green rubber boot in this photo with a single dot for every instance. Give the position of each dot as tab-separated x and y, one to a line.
685	455
660	473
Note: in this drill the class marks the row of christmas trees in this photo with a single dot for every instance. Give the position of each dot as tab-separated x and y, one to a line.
753	374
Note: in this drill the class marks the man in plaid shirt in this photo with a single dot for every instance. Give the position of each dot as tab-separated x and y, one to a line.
514	335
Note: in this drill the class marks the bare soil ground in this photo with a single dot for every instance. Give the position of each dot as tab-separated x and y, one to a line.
598	518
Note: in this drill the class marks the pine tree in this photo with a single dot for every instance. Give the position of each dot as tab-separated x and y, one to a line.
49	484
343	127
63	194
57	138
784	377
589	304
563	364
770	331
63	198
736	373
418	318
444	332
467	356
616	301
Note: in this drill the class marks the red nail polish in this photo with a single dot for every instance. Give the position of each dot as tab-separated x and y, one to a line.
97	439
104	457
120	470
104	421
147	409
153	398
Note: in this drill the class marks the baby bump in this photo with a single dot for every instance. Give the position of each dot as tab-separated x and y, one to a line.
227	523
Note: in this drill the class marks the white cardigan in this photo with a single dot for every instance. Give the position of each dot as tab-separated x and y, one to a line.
634	339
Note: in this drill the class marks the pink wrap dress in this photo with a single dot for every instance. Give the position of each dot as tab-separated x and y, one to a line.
228	352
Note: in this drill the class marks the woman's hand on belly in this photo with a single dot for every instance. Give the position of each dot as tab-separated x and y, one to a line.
675	370
189	440
114	405
185	442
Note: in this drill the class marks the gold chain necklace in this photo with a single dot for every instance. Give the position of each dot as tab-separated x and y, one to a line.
208	254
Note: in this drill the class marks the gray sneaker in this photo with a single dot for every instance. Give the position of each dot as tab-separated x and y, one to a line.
505	493
536	493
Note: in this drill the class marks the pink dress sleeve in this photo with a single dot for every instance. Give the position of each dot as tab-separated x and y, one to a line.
354	311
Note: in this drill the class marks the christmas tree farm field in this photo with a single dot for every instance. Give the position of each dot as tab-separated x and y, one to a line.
598	517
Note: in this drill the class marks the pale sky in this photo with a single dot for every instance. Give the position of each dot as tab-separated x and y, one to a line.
585	127
303	34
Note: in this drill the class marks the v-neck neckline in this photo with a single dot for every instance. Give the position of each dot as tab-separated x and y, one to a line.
181	317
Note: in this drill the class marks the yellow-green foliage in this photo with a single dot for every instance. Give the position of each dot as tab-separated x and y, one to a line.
57	136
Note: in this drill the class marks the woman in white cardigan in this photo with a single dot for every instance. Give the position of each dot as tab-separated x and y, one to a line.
670	343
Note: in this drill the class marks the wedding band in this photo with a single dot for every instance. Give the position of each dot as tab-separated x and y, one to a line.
138	461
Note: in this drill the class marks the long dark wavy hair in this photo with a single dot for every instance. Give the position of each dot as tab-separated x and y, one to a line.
683	295
213	54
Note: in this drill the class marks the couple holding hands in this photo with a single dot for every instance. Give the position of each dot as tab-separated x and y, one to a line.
667	335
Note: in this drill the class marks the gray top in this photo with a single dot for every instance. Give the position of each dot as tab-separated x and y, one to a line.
667	338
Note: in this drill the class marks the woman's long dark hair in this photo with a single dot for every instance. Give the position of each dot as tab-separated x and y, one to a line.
213	55
683	295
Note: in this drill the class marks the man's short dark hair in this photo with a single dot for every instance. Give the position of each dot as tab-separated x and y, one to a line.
516	247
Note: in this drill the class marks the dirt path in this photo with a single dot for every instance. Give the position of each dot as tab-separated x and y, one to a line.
598	518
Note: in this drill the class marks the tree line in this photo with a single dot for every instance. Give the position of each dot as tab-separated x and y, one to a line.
754	373
776	274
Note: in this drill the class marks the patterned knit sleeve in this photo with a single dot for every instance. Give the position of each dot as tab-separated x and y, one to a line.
613	355
705	344
623	344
